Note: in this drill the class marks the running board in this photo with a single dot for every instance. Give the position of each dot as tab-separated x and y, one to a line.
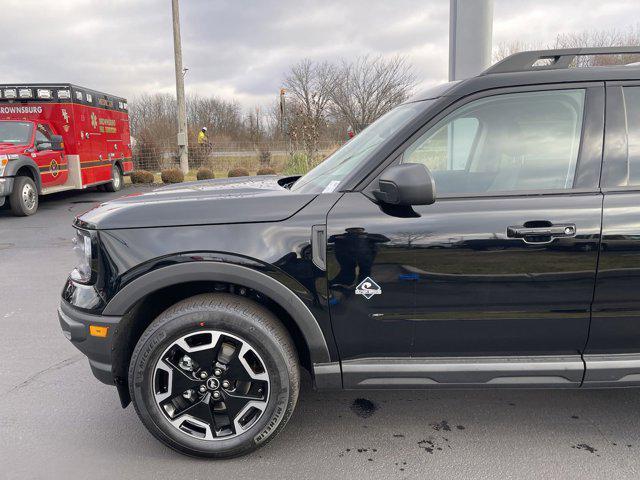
466	372
57	188
617	370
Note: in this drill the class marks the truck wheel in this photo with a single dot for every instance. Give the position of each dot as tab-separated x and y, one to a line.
24	197
116	180
215	375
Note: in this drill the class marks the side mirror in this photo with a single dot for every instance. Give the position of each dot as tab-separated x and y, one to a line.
406	184
41	146
57	144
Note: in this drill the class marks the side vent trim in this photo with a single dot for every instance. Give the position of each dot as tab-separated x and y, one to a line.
319	246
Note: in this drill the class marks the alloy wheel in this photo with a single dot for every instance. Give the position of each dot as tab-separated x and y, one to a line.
211	385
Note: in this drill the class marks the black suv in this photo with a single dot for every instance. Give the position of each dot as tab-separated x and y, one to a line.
483	234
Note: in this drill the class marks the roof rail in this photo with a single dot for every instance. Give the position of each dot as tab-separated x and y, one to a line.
562	58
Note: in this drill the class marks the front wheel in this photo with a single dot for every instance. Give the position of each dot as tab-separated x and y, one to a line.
24	197
115	185
215	375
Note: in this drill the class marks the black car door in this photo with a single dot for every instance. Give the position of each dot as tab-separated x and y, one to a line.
612	357
493	283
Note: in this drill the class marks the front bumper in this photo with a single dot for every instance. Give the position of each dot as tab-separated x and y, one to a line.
6	187
75	326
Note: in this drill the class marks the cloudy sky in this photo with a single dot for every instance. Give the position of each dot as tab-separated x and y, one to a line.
241	48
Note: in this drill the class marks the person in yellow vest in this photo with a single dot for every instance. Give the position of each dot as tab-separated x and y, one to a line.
202	137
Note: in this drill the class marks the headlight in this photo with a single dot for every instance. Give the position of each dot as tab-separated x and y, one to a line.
3	163
82	249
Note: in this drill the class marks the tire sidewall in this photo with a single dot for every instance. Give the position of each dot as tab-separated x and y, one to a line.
17	203
166	332
117	177
116	172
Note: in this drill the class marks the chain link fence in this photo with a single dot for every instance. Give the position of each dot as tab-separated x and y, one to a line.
223	157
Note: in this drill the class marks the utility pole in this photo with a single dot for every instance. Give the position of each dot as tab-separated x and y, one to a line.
183	144
282	110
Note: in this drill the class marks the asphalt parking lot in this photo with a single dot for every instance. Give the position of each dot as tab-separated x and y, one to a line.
57	421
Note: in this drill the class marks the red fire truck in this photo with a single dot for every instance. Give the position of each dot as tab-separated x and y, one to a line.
56	137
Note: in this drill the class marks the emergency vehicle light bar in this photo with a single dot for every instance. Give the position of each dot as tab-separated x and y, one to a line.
44	93
62	93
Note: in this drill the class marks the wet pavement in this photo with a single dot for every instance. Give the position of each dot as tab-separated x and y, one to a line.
57	421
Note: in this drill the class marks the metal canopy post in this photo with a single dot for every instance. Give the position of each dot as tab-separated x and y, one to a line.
470	32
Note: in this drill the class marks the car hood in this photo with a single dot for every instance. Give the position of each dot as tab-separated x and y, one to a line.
238	200
9	149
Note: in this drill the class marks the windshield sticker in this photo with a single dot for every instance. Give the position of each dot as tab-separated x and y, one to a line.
368	288
333	184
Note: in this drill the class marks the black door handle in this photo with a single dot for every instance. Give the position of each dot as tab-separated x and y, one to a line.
541	231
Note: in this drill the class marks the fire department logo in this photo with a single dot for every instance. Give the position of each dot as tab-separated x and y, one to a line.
368	288
54	168
94	121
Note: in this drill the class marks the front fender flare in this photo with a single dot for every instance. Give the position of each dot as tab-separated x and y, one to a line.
24	161
177	274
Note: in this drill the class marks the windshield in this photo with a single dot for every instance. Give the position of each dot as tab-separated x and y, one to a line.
327	176
15	133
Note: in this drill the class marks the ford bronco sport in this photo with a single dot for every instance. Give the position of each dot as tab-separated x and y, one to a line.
483	234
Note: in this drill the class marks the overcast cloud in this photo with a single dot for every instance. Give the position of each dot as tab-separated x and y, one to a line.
240	49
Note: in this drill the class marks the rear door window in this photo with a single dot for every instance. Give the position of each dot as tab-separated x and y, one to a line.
632	112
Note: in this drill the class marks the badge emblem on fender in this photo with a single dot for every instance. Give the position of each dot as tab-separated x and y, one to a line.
368	288
54	168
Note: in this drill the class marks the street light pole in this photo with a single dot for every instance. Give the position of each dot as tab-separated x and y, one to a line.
183	144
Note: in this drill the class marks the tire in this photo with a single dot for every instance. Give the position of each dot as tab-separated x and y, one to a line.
24	197
117	180
239	321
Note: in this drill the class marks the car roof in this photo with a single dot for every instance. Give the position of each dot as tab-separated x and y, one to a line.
522	69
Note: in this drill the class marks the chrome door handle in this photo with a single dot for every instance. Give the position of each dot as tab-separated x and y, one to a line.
542	232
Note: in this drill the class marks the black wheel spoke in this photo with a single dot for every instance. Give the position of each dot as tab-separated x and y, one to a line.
237	371
181	381
234	405
204	359
202	411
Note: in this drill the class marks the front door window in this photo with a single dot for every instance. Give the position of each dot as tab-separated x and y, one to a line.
510	142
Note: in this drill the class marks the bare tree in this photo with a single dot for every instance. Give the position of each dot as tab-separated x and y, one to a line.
587	38
369	87
505	49
154	128
309	86
601	38
153	116
221	117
